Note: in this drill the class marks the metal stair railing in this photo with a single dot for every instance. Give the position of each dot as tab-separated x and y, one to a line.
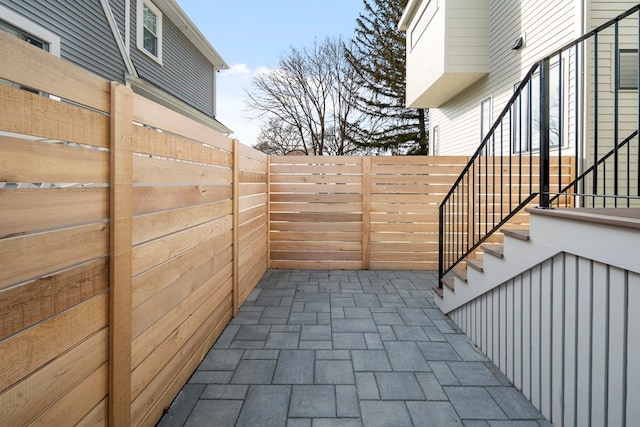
562	105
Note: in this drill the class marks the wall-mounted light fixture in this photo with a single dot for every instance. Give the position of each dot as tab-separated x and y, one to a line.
518	43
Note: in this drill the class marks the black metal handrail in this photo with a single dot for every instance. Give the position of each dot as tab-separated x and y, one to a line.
530	145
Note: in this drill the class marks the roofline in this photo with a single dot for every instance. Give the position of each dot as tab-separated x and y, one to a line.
165	99
189	29
408	14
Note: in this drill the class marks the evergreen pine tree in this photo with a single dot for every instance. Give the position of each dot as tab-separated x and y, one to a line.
378	55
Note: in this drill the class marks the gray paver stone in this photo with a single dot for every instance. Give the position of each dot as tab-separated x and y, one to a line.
405	356
225	412
282	340
294	367
438	351
334	372
433	414
349	341
225	391
315	332
182	406
398	386
254	372
370	360
347	401
513	403
474	403
221	360
367	386
312	401
430	386
265	405
473	374
385	414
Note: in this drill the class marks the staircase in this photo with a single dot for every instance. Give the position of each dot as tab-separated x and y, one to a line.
555	309
555	306
605	236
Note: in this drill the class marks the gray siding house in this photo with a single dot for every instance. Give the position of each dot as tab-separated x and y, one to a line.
150	45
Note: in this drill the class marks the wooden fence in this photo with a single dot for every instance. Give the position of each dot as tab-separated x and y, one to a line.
358	212
129	235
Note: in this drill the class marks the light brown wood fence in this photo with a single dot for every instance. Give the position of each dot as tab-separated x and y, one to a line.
128	236
358	212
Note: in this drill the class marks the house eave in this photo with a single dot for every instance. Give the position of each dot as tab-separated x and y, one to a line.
161	97
408	14
175	13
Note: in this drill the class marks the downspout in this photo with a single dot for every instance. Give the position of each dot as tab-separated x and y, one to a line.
124	52
127	25
583	140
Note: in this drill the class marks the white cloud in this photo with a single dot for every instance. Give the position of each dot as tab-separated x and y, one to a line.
236	70
231	109
263	70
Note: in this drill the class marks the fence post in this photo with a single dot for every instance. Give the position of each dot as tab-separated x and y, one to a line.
121	214
545	100
366	212
236	225
440	244
269	211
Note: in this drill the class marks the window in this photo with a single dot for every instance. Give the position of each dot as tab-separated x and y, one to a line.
485	124
29	38
22	28
149	34
16	32
435	141
628	69
485	118
526	113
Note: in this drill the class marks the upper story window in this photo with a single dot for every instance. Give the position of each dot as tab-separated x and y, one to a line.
16	32
149	34
526	112
628	69
24	29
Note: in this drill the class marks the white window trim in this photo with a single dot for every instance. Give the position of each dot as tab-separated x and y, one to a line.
435	141
140	29
32	28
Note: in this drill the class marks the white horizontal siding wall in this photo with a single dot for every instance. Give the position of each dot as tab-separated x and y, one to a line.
602	11
422	49
548	24
567	334
467	37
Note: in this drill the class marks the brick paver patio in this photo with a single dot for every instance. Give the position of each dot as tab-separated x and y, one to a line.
346	348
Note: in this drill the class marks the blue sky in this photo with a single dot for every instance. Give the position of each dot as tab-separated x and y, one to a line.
252	34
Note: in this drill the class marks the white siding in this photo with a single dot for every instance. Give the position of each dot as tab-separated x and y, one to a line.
601	11
447	49
459	119
572	338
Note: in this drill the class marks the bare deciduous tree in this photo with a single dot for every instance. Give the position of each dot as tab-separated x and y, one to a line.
311	94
